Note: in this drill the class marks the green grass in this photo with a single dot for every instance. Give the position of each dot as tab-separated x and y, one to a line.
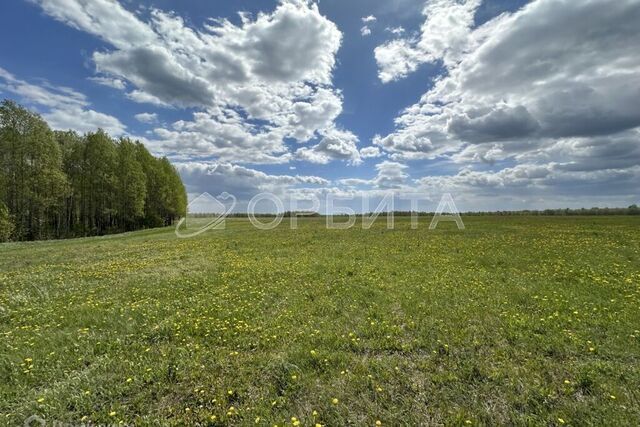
519	321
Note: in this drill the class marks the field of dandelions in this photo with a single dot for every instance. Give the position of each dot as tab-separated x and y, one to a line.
513	321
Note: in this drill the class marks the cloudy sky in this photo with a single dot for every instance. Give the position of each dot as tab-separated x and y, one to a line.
503	104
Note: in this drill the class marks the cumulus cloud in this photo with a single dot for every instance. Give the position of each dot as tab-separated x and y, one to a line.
368	21
443	36
399	30
369	152
336	144
62	107
274	71
106	19
242	182
390	175
396	59
220	133
538	87
541	100
109	82
142	97
83	120
146	117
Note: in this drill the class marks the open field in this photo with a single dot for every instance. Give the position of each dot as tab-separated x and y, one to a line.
516	320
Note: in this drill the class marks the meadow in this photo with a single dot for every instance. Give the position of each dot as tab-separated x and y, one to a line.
513	321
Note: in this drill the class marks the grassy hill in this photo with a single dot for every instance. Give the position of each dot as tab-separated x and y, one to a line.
515	320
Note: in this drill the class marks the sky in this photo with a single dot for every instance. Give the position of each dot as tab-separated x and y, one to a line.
503	104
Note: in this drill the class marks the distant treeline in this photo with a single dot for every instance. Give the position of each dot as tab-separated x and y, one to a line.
60	184
631	210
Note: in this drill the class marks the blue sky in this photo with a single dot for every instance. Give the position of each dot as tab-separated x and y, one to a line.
503	104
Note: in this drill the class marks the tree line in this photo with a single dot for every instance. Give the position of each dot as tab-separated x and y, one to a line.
56	184
631	210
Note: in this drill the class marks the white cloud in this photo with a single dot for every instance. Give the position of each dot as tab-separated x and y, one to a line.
368	21
399	30
146	117
274	69
443	36
396	59
240	181
580	93
82	121
370	152
538	88
63	108
222	134
106	19
109	82
336	144
390	175
145	98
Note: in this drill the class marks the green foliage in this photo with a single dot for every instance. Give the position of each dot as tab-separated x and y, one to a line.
61	184
31	172
131	185
6	226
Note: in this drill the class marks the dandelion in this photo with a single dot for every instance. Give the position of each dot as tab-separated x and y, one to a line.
334	401
129	380
112	413
378	423
560	420
41	400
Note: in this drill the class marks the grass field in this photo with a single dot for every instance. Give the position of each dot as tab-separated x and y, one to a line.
515	320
